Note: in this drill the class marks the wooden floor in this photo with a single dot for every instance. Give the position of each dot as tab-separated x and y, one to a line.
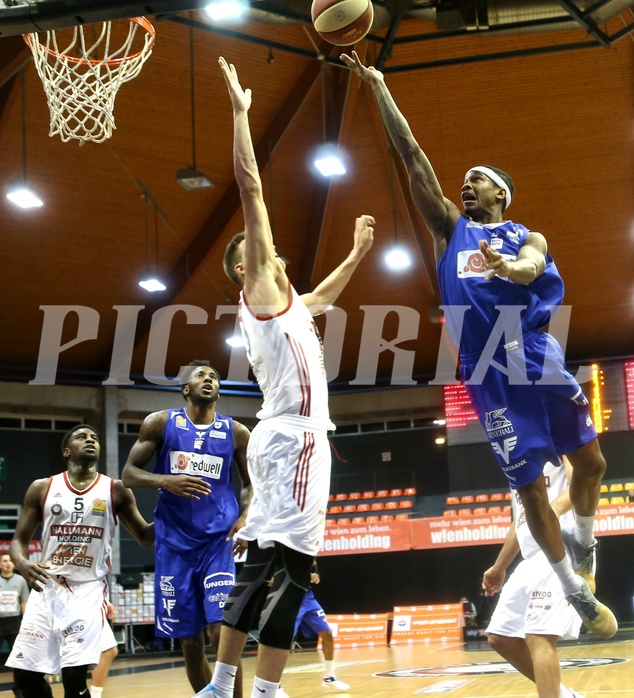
153	677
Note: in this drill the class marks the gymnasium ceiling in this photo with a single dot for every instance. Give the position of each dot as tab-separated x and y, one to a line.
540	89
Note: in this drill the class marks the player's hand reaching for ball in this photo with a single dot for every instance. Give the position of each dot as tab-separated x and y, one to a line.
186	486
240	99
369	74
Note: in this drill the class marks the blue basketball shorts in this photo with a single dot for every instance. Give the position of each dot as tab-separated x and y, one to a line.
537	415
311	619
191	587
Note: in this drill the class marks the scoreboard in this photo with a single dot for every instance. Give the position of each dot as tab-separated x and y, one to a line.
609	387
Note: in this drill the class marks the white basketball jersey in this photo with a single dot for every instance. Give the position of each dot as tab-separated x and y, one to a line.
78	528
556	483
286	356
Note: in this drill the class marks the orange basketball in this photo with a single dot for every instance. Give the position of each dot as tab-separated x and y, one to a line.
342	22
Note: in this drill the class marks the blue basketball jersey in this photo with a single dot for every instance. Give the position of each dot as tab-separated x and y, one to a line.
461	276
206	452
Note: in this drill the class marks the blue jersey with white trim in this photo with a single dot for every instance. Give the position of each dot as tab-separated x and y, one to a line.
461	276
206	452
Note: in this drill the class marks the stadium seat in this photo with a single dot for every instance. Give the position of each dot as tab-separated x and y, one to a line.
331	497
385	518
330	522
372	519
495	510
409	491
363	507
368	495
382	493
354	495
449	512
402	517
391	505
497	497
507	509
377	506
617	500
349	508
405	504
482	498
604	502
467	499
508	496
335	509
465	512
396	493
479	511
452	500
629	485
604	488
343	520
358	519
341	497
616	487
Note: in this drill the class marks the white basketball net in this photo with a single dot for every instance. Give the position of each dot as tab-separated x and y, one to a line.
81	80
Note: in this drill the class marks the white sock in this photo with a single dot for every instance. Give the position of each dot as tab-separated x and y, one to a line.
567	577
264	689
96	691
583	530
329	667
224	679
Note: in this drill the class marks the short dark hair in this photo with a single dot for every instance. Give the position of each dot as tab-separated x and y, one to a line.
189	369
231	258
70	432
506	177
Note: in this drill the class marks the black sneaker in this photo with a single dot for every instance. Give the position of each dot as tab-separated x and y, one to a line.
583	558
597	617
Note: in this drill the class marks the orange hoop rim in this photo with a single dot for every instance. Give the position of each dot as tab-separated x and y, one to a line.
143	22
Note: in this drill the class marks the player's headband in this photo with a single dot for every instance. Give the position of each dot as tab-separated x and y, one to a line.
495	178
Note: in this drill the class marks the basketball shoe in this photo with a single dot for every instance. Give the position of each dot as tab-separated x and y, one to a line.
207	692
333	682
597	617
583	558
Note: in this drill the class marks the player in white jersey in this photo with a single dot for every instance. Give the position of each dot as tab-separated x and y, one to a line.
78	509
532	613
288	453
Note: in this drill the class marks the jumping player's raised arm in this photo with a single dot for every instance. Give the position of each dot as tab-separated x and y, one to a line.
440	214
265	281
327	292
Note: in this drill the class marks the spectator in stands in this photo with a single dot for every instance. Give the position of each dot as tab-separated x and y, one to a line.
470	613
14	592
630	495
532	613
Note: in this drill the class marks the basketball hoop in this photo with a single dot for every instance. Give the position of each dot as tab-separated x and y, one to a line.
81	81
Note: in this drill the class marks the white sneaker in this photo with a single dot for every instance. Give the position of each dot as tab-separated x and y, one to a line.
207	692
334	683
281	693
575	694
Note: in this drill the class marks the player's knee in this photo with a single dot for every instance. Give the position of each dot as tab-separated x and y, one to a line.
193	646
277	621
111	654
75	683
213	633
496	642
32	684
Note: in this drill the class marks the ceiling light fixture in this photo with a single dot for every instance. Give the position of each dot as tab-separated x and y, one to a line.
225	9
189	177
397	257
18	191
150	280
328	160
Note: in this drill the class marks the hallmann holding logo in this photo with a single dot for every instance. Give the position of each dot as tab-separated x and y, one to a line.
372	344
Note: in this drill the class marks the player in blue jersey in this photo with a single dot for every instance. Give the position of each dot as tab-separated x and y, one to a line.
196	514
497	284
311	621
